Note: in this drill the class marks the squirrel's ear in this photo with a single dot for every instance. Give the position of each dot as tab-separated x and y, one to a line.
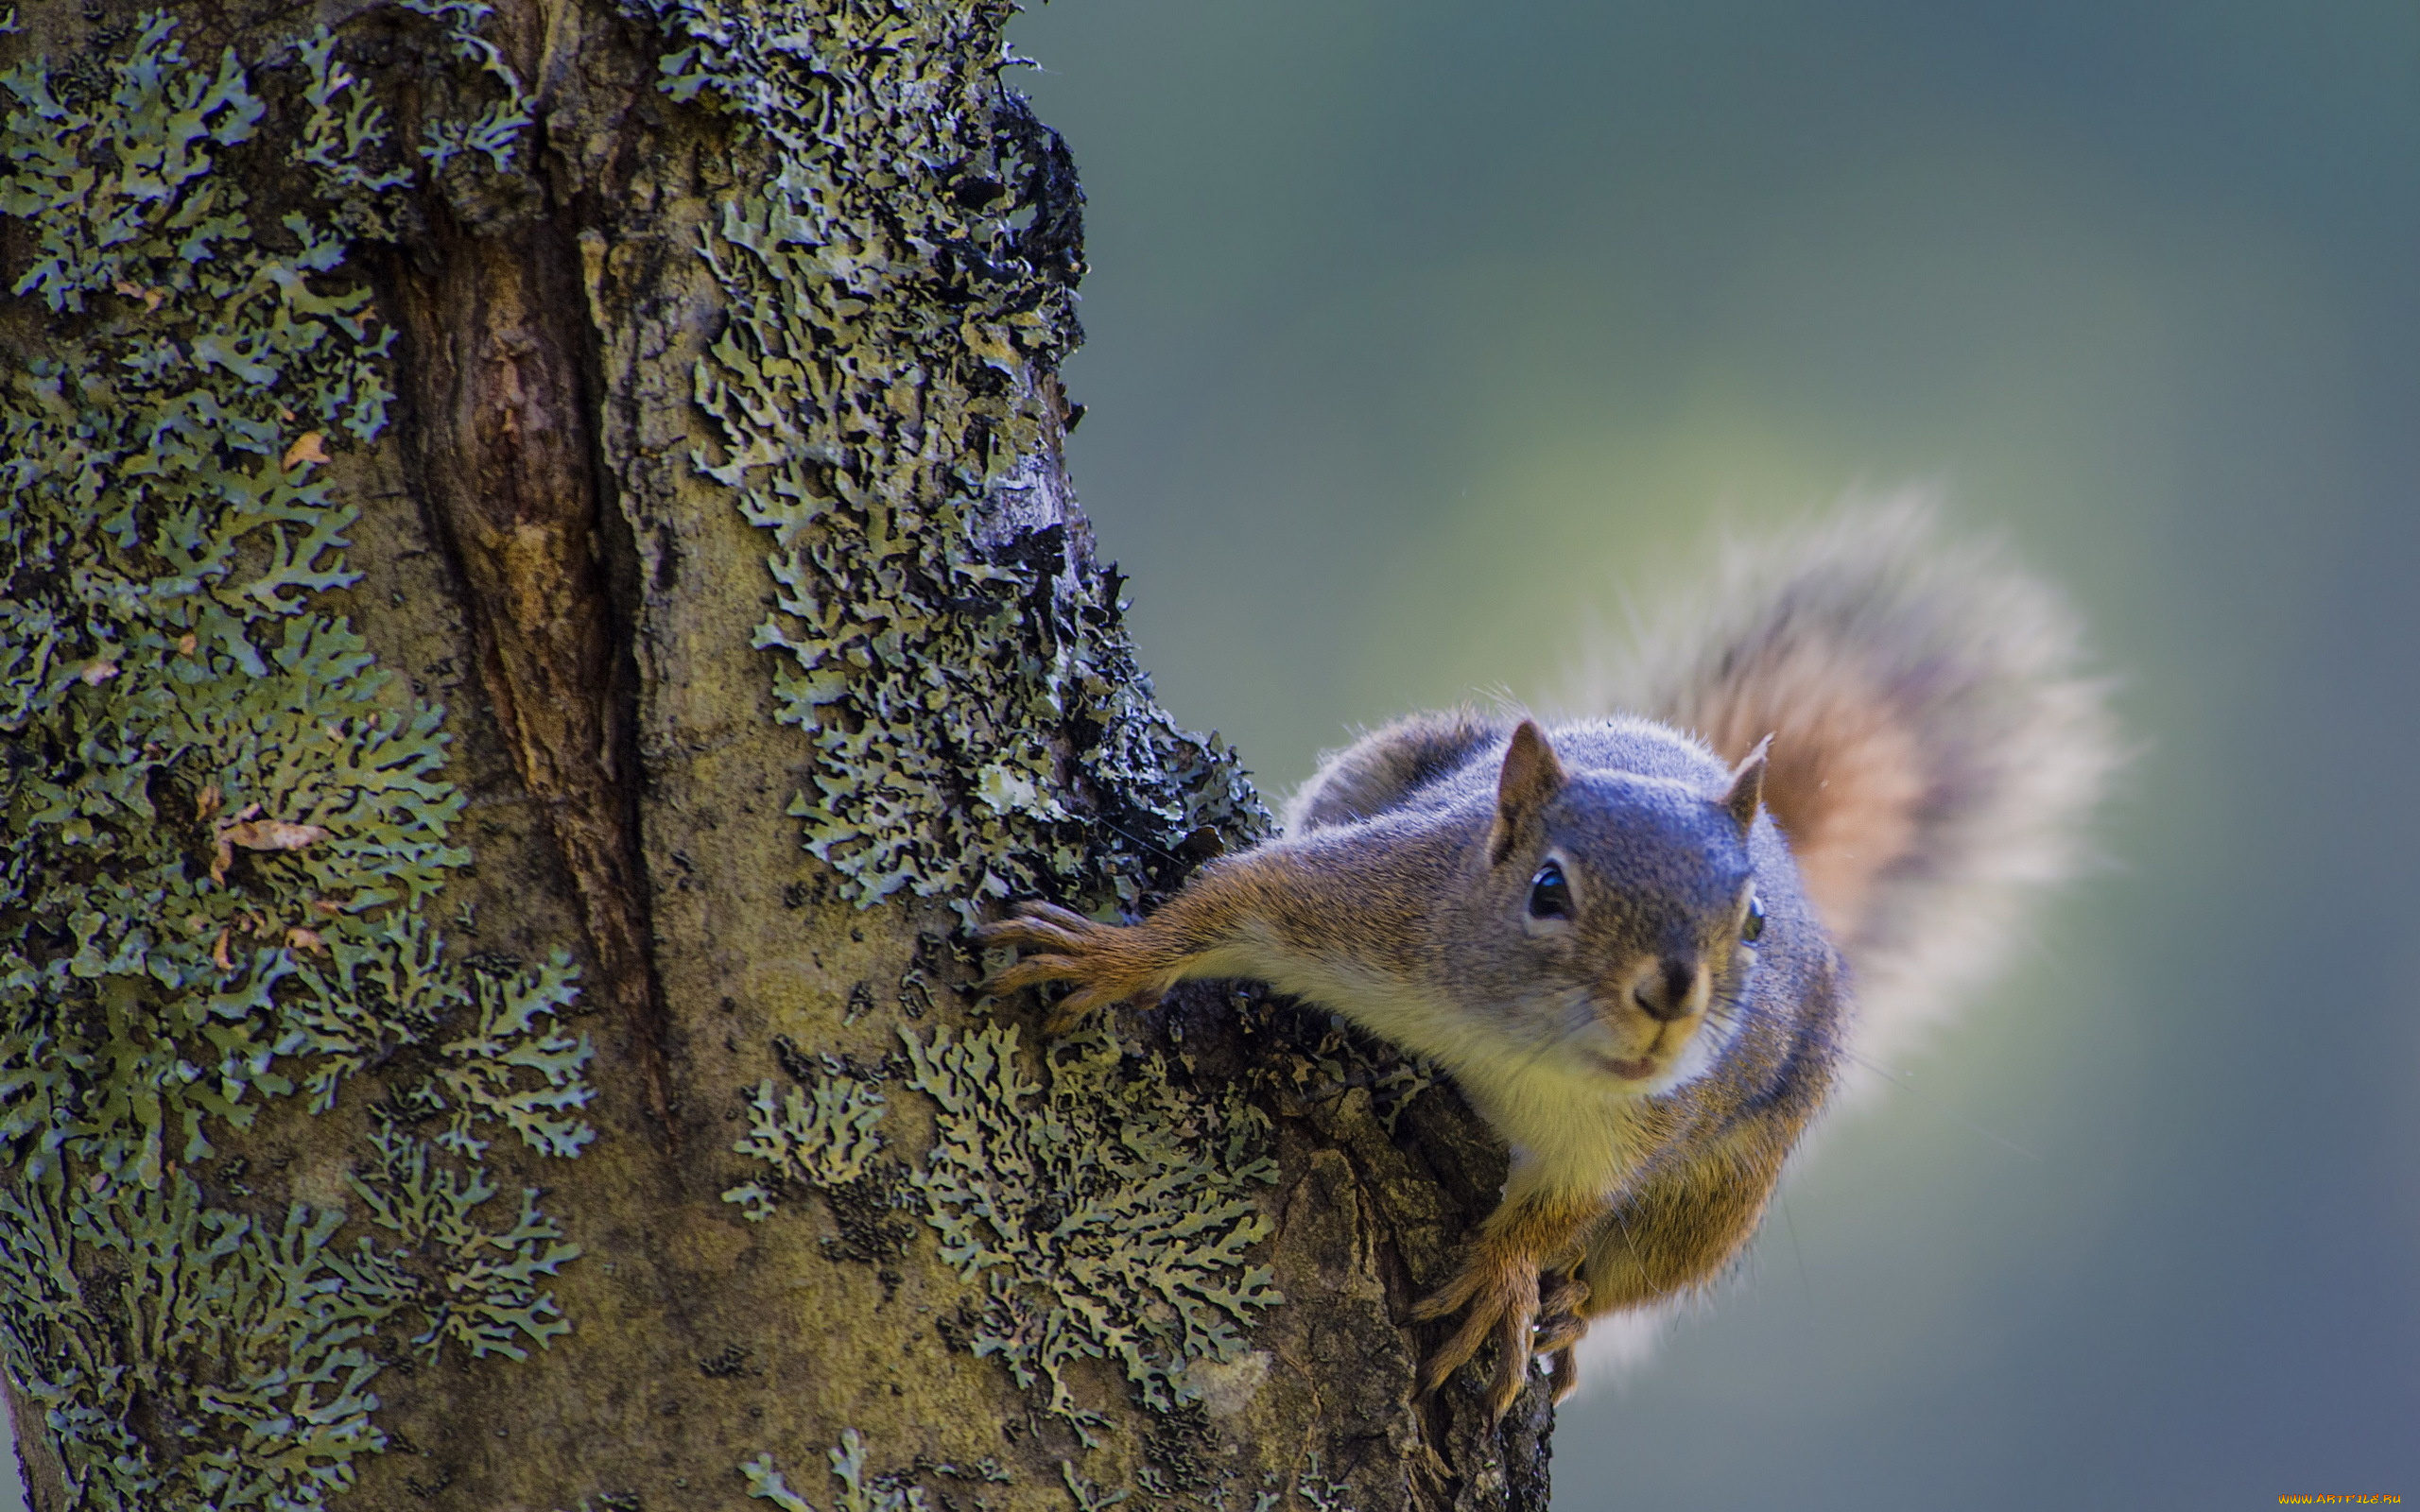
1747	787
1530	777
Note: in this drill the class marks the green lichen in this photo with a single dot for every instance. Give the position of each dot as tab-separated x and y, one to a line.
483	1289
251	1340
859	1491
345	127
1323	1494
256	1345
222	827
827	1142
117	168
1088	1497
1105	1214
898	283
495	129
507	1030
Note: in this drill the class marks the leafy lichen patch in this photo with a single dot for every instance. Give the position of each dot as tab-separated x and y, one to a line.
1105	1212
483	1291
826	1140
223	827
280	1316
859	1490
249	1341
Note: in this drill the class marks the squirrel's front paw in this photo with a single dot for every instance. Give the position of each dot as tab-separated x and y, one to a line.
1497	1291
1109	963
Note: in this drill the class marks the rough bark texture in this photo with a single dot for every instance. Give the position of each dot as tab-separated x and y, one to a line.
539	595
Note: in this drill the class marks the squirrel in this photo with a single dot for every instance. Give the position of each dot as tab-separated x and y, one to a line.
1633	940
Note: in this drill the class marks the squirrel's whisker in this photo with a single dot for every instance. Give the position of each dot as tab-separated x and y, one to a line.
1944	1109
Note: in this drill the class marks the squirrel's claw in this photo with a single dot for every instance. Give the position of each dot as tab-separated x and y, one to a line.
1038	923
1103	960
1033	970
1563	1322
1076	1006
1498	1295
1560	1328
1560	1324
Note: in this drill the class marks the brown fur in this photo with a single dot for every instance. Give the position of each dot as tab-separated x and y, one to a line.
1389	766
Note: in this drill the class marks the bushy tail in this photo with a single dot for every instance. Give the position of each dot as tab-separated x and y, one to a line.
1935	747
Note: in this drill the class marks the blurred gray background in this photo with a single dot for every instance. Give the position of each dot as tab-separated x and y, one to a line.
1423	332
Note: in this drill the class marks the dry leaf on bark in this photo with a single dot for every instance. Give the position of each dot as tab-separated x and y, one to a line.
309	448
259	835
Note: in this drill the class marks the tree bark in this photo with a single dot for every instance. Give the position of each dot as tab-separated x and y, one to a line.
539	596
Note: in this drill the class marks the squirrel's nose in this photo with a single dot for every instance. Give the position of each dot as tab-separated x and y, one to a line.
1668	990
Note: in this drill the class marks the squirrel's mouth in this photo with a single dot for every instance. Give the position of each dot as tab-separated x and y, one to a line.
1638	1069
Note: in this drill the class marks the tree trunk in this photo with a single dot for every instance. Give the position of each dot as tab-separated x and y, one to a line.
539	595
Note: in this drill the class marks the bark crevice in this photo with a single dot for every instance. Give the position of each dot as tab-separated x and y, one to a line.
498	398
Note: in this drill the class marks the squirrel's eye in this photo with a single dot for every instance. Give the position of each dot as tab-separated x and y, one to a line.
1549	894
1751	928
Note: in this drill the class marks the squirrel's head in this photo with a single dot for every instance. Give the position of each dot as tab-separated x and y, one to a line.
1624	911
